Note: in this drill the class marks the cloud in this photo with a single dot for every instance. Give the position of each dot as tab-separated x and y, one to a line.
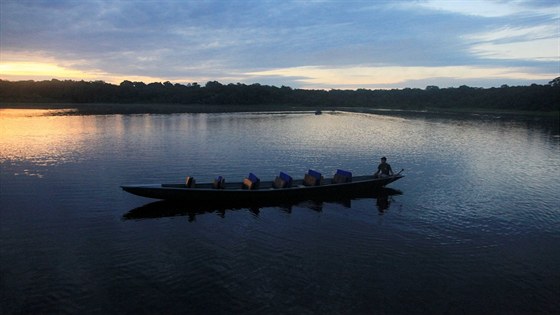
385	76
539	50
538	43
301	42
491	8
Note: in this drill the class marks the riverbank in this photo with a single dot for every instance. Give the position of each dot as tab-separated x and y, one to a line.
127	109
463	112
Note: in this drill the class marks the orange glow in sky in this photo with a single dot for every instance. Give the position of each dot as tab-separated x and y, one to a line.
31	70
23	70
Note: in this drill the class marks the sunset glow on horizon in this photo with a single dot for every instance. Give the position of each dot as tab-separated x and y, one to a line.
24	70
39	71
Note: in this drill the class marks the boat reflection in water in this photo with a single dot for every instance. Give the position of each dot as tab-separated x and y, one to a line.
164	208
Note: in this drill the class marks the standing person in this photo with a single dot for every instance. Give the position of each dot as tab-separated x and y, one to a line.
384	169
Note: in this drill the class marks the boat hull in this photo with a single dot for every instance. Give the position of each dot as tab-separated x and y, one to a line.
234	193
171	208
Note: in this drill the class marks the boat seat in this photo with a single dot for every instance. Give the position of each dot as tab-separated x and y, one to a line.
251	182
189	182
219	183
283	180
312	178
342	176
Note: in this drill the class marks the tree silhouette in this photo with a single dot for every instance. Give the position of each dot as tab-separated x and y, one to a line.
534	97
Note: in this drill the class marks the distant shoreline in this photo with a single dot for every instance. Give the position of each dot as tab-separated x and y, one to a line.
85	109
128	109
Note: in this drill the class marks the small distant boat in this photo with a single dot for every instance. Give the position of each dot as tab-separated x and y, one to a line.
283	188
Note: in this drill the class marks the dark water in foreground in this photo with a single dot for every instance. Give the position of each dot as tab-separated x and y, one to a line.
476	229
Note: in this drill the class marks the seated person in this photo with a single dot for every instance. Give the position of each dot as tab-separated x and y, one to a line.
312	178
283	181
383	169
251	182
219	183
342	176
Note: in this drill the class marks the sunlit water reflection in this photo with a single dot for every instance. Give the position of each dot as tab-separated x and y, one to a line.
476	229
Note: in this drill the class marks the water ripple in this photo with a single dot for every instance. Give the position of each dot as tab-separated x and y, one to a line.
475	230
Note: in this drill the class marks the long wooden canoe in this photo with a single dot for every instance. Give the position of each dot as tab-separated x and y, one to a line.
172	208
235	192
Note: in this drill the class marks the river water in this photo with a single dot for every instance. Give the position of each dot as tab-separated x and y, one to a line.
472	228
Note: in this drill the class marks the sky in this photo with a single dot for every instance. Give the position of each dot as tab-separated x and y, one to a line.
313	44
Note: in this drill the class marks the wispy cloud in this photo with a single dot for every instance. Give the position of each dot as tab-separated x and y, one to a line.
538	43
387	76
492	8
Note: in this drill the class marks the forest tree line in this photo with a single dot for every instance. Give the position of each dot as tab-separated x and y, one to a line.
533	98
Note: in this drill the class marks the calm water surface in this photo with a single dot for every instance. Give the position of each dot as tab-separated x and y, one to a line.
476	229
